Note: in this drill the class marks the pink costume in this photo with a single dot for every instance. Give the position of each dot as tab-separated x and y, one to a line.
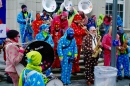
63	23
106	43
13	57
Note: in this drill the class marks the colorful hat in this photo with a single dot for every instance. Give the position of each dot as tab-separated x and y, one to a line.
34	58
77	17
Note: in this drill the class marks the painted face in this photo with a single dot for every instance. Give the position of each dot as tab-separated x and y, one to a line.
38	16
25	9
63	17
46	30
17	38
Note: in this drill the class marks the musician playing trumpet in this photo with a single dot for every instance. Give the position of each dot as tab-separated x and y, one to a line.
79	33
89	44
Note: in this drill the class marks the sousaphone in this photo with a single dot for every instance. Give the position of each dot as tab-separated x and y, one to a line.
68	4
44	49
85	6
49	5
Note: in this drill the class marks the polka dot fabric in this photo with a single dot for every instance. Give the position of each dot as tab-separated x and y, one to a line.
90	62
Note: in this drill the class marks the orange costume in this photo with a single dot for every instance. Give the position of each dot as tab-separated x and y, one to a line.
36	23
79	33
57	33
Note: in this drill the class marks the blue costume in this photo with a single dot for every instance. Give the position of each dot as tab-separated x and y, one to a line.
119	21
123	58
32	73
90	23
21	19
43	36
28	31
67	51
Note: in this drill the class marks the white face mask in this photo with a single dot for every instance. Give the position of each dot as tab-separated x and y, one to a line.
46	30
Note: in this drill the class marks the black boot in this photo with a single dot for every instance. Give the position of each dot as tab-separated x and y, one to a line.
119	77
127	77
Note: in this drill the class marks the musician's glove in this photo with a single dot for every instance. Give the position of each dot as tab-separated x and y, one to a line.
75	55
61	58
21	50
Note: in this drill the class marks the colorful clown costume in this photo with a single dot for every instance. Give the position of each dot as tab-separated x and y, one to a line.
45	36
67	51
28	31
21	19
56	35
32	74
123	58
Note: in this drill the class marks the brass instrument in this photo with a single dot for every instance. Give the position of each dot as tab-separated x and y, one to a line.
125	46
97	48
87	32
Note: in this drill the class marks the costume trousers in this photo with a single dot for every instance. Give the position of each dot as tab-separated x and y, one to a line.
76	67
28	35
107	59
56	63
66	70
90	62
123	60
15	78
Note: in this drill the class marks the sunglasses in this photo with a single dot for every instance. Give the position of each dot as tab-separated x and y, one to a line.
18	36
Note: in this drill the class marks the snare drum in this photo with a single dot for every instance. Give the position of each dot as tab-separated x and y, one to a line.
53	81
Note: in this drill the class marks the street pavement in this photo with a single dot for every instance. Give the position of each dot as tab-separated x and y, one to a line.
74	82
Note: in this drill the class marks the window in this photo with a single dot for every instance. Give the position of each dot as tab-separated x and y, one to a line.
120	8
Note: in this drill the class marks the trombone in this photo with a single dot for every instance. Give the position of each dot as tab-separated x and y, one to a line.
82	26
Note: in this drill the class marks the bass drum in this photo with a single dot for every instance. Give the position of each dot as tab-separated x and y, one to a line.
53	81
45	50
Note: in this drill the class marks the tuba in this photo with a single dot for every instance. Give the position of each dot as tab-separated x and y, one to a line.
49	5
68	4
85	6
97	48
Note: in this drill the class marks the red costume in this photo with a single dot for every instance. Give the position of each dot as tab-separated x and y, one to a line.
63	22
79	33
56	35
36	23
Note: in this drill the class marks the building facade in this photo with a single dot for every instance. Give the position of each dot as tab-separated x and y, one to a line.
13	7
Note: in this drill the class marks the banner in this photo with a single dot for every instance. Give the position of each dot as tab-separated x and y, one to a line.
2	30
2	18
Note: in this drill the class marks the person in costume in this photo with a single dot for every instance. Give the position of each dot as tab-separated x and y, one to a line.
100	25
56	35
107	22
14	54
123	58
36	24
89	43
119	21
91	22
100	20
46	17
67	52
22	19
62	18
84	17
32	74
28	31
106	44
44	35
71	14
79	33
